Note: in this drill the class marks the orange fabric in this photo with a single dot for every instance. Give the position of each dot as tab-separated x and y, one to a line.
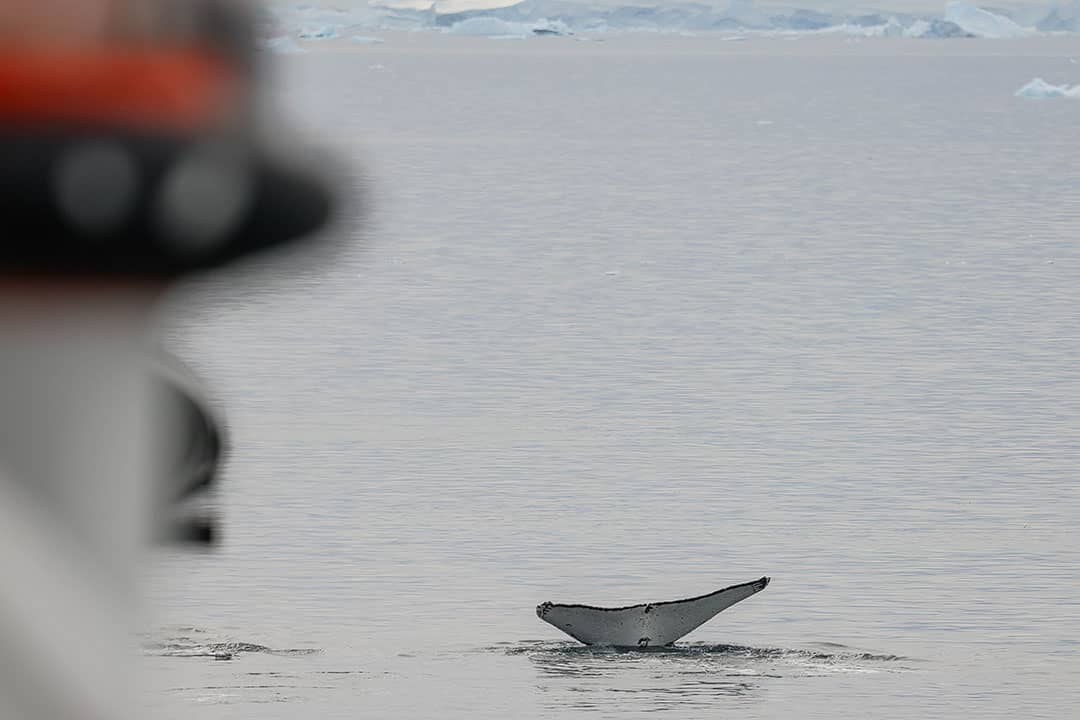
151	88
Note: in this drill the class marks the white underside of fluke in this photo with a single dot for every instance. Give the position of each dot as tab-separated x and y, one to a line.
646	625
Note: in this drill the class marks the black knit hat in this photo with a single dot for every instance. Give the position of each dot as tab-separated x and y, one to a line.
137	188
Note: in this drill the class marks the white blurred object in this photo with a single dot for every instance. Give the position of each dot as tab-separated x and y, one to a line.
75	506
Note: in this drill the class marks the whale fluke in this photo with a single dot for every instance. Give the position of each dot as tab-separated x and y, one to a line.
646	625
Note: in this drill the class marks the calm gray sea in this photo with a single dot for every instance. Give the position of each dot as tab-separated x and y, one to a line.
635	320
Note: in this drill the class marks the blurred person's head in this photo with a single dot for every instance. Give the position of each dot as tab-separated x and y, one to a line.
129	158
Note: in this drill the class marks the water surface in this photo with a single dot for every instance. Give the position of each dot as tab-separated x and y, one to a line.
633	321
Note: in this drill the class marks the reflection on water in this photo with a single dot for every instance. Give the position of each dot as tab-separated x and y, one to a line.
681	676
836	651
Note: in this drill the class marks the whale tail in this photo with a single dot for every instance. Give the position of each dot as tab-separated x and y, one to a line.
647	624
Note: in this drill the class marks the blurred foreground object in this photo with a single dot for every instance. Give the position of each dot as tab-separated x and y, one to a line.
131	153
76	498
194	437
130	141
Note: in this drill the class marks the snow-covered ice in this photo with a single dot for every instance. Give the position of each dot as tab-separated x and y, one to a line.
1061	18
890	28
527	18
1039	88
489	27
982	23
935	29
494	27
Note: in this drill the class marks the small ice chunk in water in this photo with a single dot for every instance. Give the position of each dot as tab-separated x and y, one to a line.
319	32
283	45
1039	88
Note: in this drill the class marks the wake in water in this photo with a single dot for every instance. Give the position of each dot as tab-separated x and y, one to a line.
831	657
681	677
188	646
835	650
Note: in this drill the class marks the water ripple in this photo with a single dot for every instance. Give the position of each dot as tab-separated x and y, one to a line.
186	646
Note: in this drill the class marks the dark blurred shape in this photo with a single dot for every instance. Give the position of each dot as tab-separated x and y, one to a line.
197	531
130	143
195	446
132	152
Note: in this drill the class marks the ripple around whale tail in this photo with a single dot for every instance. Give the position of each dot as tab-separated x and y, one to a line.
684	677
186	646
571	658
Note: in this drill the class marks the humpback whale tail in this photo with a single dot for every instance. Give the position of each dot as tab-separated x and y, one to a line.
645	625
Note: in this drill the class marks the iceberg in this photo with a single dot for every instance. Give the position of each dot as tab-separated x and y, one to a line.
559	32
935	29
1039	88
528	18
870	20
489	27
982	23
283	45
745	15
891	28
321	32
804	20
1064	18
551	27
355	17
566	16
673	17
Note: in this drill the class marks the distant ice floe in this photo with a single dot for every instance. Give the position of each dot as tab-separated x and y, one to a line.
942	29
531	18
283	45
488	27
495	28
1062	18
1039	88
365	40
321	32
890	28
982	23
